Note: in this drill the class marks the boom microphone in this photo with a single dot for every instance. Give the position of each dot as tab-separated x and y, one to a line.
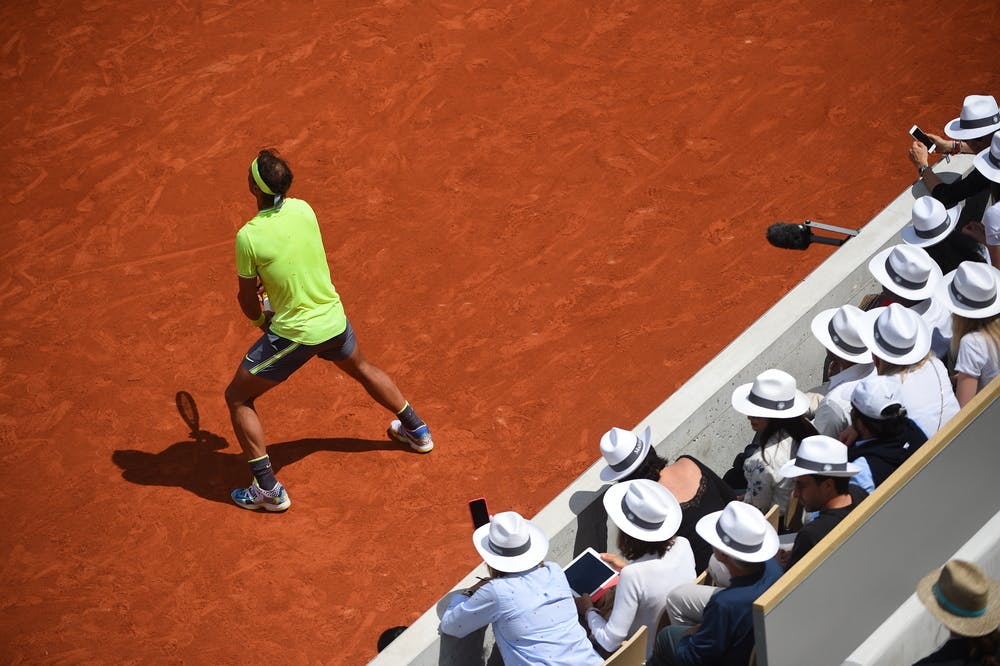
796	236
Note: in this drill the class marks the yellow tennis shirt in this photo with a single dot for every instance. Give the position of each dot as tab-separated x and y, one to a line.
284	248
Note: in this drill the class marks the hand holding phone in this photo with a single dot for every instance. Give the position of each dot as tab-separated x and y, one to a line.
480	514
920	136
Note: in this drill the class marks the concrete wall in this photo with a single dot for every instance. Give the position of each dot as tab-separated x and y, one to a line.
697	419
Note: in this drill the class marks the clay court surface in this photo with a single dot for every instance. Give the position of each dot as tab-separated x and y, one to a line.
542	217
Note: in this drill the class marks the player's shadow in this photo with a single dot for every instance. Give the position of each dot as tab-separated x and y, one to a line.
199	465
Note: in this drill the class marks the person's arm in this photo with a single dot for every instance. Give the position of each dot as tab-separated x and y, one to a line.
994	255
966	387
249	302
708	644
864	478
466	614
610	634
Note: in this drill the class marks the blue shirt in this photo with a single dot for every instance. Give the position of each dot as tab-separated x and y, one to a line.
726	632
533	615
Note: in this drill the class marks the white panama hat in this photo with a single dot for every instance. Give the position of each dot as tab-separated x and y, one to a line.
896	334
740	531
906	270
930	223
837	330
509	543
623	451
821	455
771	395
979	117
643	509
988	161
971	290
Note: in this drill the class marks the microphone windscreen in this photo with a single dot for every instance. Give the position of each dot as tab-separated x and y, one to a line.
789	236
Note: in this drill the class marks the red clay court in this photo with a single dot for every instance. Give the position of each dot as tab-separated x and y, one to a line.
542	217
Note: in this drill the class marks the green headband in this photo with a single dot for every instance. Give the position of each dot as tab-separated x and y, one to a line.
257	179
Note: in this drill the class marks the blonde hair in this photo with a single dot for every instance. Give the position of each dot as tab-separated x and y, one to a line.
887	368
960	326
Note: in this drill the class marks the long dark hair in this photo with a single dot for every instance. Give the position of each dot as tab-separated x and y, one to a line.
632	548
649	468
798	428
983	648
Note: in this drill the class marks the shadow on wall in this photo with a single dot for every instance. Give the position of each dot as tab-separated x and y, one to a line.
199	466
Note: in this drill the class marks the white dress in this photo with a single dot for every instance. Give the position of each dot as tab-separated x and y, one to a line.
765	484
928	396
978	357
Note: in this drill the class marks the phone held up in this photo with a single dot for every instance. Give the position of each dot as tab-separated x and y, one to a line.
919	135
480	514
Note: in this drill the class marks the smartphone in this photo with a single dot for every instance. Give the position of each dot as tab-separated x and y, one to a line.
919	135
480	514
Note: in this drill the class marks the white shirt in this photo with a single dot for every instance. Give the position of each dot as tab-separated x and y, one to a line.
641	595
834	412
928	396
534	619
765	484
977	357
937	316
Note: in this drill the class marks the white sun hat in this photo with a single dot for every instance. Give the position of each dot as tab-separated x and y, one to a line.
988	161
971	290
740	531
837	330
820	455
930	223
772	394
979	117
896	334
623	451
906	270
509	543
643	509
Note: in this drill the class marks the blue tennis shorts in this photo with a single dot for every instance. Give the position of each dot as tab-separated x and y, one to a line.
276	358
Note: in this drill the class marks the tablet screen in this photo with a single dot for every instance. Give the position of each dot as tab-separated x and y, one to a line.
588	572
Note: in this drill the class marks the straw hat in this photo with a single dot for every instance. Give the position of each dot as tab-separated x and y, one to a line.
509	543
819	454
623	451
896	334
771	395
988	161
930	223
740	531
643	509
837	330
979	117
906	270
963	597
971	290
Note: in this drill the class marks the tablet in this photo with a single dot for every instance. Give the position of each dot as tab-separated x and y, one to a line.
589	574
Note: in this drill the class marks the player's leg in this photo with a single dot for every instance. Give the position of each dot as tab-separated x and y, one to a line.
408	427
270	361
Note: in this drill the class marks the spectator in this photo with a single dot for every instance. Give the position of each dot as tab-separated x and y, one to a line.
886	437
776	410
699	490
967	602
821	476
989	233
655	562
972	132
909	277
848	360
900	342
745	543
528	601
971	294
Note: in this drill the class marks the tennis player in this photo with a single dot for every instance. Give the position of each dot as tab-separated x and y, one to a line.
281	250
